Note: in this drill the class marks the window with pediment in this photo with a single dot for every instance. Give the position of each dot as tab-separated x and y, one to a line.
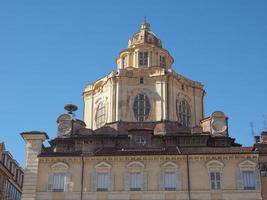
135	178
169	177
215	171
59	180
102	179
248	176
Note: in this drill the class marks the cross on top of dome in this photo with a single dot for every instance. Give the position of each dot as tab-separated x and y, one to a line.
145	25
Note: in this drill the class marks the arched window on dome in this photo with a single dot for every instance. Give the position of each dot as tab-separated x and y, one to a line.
100	116
183	112
141	107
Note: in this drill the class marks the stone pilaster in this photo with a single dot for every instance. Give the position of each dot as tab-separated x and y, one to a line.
34	141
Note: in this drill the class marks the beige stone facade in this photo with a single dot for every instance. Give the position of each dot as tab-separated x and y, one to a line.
193	170
144	137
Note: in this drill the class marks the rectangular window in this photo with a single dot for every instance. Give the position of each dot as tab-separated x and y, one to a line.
249	180
59	180
170	181
215	180
162	61
102	182
136	181
143	58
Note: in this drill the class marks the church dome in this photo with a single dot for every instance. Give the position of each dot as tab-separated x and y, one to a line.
144	36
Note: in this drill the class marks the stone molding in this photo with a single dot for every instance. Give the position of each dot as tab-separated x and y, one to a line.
143	158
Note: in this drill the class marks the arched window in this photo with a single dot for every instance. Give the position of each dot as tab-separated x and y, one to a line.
183	112
100	117
141	107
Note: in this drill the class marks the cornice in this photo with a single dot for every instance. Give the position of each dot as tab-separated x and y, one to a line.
149	158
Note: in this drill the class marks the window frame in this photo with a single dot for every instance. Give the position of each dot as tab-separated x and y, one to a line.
170	168
62	182
101	114
171	187
135	178
140	140
184	114
162	61
103	187
215	166
59	168
102	168
143	58
252	172
217	183
141	107
248	166
134	168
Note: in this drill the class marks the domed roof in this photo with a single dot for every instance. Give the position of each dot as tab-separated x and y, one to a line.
144	36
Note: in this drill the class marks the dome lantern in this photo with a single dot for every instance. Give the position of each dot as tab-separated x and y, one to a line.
144	50
144	36
145	26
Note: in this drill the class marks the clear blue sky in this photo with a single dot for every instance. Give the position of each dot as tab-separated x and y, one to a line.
49	50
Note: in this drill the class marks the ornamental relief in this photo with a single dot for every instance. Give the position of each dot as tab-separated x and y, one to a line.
247	164
103	166
135	165
53	160
169	165
69	160
215	164
59	167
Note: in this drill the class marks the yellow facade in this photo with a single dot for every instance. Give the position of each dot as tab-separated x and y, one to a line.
144	121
